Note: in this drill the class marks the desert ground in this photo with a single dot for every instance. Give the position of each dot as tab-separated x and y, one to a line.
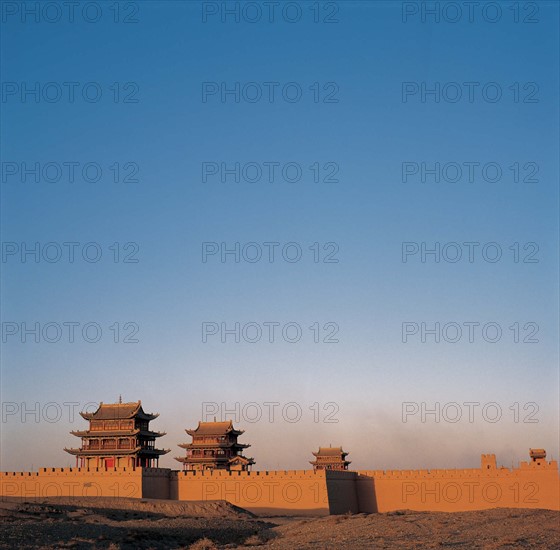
152	524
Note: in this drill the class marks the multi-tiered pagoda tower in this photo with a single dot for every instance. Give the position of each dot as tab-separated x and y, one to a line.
214	447
118	435
330	458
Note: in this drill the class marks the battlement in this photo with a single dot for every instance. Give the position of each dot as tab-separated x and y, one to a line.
488	462
533	484
454	473
539	464
238	474
405	474
74	471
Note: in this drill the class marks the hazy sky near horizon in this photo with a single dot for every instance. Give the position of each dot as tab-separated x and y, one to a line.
156	151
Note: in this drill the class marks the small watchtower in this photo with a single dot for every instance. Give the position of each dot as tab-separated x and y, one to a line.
537	455
488	462
330	458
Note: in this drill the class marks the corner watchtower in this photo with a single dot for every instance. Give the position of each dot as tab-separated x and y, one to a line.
487	462
538	457
330	458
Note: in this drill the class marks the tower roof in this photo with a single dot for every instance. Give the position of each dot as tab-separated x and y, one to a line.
330	451
119	411
215	428
537	453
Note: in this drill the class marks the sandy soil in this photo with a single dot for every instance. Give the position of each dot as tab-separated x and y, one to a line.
488	530
155	524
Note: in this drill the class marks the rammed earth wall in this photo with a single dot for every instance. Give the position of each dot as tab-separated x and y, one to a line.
305	492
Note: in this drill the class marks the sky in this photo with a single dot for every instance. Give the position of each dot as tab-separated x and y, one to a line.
181	178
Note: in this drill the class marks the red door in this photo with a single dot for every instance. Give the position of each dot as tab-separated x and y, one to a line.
109	462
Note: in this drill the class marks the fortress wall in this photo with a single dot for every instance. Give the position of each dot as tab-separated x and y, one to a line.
292	492
156	483
78	482
342	492
305	492
532	485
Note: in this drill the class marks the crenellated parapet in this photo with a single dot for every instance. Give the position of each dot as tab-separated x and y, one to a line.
534	484
225	474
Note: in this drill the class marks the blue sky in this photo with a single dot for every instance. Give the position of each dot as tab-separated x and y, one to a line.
368	213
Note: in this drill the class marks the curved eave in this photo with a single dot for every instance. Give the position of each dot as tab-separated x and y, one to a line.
72	451
213	434
146	416
243	459
105	452
138	412
116	433
213	446
221	433
102	452
315	463
110	452
330	462
162	451
142	416
343	455
149	433
104	433
158	452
